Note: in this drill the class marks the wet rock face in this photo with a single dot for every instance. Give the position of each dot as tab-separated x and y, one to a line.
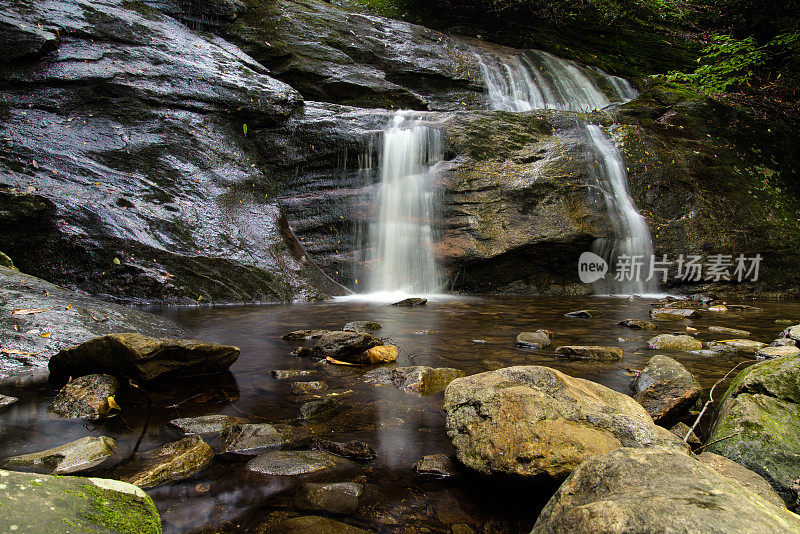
418	379
674	342
205	424
536	422
336	497
39	503
590	352
758	417
333	55
144	189
86	396
70	318
169	463
643	490
344	346
356	450
142	358
286	463
70	458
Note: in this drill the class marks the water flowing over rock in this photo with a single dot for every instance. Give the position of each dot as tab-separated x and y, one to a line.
533	79
537	422
654	490
401	254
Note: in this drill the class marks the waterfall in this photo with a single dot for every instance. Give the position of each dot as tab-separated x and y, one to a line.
632	236
534	79
401	238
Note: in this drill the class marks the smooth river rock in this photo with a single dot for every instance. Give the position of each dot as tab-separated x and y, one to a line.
361	326
767	353
340	345
6	401
534	422
637	324
674	342
657	491
143	358
355	449
332	497
666	389
728	331
205	424
418	379
535	340
74	457
287	463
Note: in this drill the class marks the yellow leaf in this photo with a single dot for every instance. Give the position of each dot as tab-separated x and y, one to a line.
45	334
26	311
112	404
337	362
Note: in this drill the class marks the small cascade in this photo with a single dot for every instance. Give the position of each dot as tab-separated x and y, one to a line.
533	79
633	245
401	238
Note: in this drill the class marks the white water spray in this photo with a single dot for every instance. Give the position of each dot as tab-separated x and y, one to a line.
401	238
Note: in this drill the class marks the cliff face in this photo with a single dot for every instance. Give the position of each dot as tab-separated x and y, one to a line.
127	170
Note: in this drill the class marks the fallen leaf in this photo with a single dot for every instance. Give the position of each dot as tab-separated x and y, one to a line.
45	334
29	311
15	351
113	404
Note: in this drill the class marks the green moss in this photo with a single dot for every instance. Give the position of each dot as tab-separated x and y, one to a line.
129	516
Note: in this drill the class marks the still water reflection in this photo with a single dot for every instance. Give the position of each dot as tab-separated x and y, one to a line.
473	334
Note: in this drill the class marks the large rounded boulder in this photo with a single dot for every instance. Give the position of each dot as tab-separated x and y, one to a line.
657	491
532	421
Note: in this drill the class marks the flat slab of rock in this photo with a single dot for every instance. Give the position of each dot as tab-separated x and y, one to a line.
637	324
143	358
288	463
205	424
590	352
653	490
742	475
33	504
321	410
411	302
535	340
728	331
355	449
673	314
674	342
536	422
86	396
332	497
436	465
74	457
169	463
6	401
758	419
767	353
418	379
255	438
361	326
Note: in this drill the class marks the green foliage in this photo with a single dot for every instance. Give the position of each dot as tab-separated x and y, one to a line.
726	62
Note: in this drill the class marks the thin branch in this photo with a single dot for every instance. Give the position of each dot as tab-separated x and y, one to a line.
711	399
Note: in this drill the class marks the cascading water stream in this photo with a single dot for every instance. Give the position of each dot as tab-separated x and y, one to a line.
537	80
401	238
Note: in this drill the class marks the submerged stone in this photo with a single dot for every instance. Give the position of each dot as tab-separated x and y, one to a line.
355	449
74	457
321	410
254	438
741	345
143	358
205	424
361	326
303	335
590	352
436	465
637	324
287	463
729	331
308	388
673	314
584	314
292	374
332	497
6	401
418	379
85	396
169	463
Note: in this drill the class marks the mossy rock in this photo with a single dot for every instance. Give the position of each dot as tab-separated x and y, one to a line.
32	503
